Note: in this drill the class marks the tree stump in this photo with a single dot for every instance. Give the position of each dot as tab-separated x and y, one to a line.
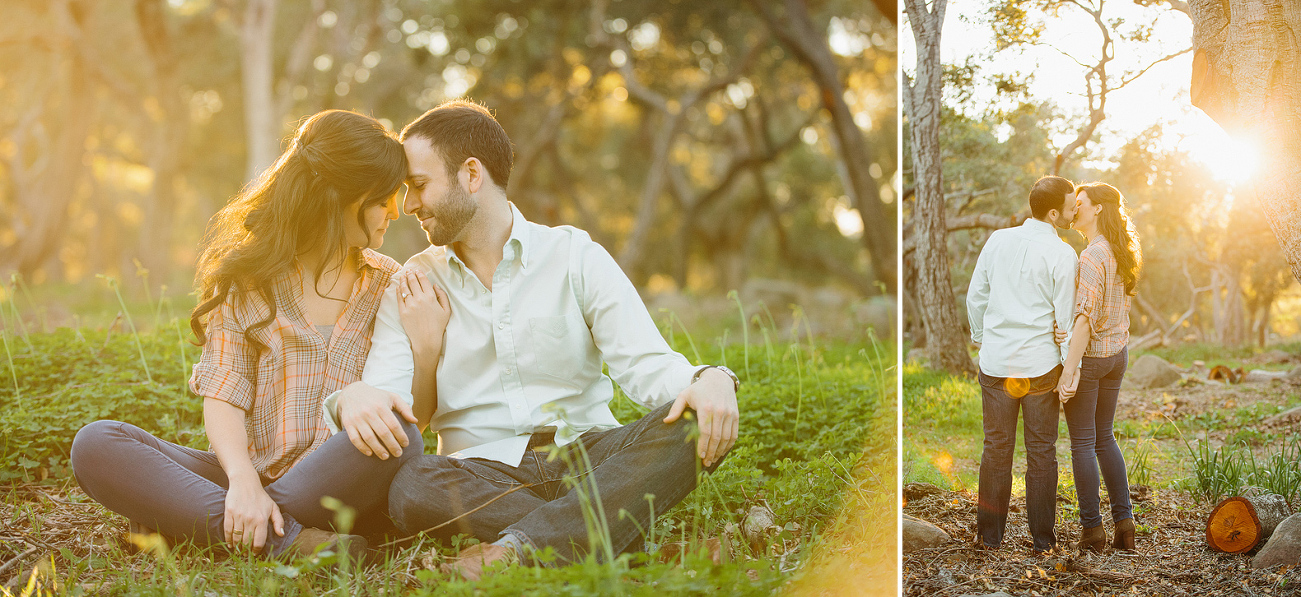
1238	524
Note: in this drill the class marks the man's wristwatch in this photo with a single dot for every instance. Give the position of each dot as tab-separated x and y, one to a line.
736	381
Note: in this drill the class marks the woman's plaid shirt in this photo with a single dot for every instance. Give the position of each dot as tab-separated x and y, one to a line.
1100	295
280	387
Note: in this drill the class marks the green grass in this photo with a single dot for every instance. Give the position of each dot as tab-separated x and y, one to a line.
1215	354
943	436
942	427
817	420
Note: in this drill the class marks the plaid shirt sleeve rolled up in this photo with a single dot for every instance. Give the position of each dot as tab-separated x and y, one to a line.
1100	295
280	383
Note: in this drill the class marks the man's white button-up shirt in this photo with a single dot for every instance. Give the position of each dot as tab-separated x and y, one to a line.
527	354
1024	281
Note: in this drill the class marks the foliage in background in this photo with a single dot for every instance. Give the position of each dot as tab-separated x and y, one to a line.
687	126
1213	271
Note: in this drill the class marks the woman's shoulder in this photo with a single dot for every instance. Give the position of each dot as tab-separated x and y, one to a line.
1098	253
379	261
242	307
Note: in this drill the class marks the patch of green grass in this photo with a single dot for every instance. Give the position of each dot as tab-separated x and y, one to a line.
1280	471
1216	472
1216	354
942	424
1239	420
817	420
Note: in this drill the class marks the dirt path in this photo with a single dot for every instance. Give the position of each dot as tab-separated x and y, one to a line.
1171	559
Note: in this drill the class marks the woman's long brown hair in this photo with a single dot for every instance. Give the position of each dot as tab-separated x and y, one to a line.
1115	225
336	159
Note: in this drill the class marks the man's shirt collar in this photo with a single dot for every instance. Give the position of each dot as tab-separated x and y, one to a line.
520	238
1039	225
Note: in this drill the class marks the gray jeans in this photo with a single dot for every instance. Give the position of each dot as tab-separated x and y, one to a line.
1039	414
181	492
538	500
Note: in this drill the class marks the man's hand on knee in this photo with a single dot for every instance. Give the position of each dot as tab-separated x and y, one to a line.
713	397
367	415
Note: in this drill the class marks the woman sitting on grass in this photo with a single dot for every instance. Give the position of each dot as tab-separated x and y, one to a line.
289	285
1106	278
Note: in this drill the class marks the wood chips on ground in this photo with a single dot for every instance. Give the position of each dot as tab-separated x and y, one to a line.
1171	558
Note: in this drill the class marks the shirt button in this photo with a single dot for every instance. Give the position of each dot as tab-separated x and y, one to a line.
508	372
501	326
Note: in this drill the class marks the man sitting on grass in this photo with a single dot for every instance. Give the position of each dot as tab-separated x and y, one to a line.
520	403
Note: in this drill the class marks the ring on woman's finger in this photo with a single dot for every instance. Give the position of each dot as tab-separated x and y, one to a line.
405	295
238	532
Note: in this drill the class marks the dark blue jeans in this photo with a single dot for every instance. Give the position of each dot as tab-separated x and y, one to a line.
544	508
995	491
181	492
1089	417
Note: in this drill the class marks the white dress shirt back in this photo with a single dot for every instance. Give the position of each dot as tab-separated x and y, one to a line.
527	355
1024	281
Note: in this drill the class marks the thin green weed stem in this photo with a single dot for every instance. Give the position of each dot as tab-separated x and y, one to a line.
117	291
39	308
13	372
18	317
745	328
673	317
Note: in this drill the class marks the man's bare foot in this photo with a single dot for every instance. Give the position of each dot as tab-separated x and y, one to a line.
472	562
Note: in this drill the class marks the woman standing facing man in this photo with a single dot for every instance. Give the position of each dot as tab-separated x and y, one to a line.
288	284
1106	280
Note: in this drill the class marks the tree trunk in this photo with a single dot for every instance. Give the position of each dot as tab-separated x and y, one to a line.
945	340
261	130
44	186
797	32
1227	310
167	140
1238	524
1247	77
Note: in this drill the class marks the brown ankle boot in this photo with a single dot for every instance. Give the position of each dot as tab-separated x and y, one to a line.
1094	538
309	541
1124	535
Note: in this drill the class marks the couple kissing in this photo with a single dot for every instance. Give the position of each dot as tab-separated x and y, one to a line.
1052	331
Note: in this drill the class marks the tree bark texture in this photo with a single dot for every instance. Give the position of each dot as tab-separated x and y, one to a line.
1247	77
945	339
1238	524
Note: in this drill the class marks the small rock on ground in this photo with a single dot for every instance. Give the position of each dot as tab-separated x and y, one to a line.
1151	371
919	534
1283	547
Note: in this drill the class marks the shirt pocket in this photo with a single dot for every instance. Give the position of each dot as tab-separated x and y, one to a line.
559	346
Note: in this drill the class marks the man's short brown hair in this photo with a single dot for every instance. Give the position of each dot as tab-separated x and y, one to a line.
461	130
1049	193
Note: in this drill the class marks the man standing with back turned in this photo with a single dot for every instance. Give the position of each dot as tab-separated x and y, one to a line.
522	405
1022	290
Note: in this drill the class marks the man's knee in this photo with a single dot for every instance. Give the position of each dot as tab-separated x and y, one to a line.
412	497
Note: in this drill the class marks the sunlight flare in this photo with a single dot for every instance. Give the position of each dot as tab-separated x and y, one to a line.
1230	159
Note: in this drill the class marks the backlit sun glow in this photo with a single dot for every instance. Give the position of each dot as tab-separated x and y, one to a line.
1232	160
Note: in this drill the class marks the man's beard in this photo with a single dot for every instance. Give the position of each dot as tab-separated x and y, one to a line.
450	216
